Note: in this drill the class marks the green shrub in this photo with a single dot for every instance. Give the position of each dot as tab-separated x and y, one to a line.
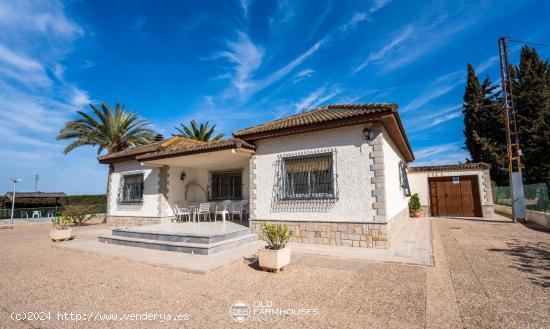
61	222
276	235
414	203
78	215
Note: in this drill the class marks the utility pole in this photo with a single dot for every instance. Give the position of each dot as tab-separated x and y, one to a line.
513	147
36	178
14	180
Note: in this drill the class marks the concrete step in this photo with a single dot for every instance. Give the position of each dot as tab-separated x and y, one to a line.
181	236
187	247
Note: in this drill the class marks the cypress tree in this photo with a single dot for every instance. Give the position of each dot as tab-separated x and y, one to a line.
532	96
484	127
471	108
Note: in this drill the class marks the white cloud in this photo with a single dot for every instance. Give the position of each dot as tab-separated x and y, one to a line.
302	75
316	98
378	4
245	5
355	20
381	53
18	61
438	88
430	119
440	154
35	99
285	12
246	57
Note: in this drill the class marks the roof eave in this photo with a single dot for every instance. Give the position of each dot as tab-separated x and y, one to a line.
160	155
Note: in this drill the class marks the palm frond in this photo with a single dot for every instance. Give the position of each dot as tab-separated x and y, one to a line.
111	130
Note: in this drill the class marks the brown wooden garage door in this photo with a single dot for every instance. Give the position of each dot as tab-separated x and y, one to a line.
458	197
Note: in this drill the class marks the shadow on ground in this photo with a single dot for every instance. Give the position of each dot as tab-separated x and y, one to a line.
531	258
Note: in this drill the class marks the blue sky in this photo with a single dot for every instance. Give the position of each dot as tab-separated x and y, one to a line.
238	63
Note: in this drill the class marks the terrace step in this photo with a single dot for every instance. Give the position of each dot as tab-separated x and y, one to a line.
181	236
187	247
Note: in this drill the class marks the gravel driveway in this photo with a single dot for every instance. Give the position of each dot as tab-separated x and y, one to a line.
487	275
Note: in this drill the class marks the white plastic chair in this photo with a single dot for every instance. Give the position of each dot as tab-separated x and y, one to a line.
204	210
25	215
238	209
50	214
181	213
224	211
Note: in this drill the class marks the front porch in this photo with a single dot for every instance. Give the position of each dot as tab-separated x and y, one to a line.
196	238
217	179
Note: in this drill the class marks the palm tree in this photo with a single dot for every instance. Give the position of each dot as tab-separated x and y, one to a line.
110	130
201	132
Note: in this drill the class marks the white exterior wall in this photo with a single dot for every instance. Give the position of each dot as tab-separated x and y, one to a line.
396	201
157	204
354	203
176	188
150	205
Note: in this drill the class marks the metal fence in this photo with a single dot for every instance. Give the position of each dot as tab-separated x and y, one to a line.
44	214
536	197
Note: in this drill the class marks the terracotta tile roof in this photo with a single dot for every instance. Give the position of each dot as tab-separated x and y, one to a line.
174	146
450	167
318	115
132	152
183	146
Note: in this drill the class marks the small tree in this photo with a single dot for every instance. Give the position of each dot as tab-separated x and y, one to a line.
414	203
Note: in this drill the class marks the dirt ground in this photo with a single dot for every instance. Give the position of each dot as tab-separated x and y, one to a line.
487	275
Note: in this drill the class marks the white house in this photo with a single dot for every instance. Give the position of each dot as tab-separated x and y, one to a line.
336	175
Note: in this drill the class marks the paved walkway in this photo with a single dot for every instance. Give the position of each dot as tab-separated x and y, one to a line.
411	245
486	275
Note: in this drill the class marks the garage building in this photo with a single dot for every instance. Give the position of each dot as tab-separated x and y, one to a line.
459	190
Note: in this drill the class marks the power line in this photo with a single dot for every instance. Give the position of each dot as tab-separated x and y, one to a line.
529	43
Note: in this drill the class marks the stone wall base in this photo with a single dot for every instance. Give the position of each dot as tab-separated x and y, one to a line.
366	235
397	221
118	221
488	211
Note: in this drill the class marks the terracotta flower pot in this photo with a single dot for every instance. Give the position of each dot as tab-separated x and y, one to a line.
416	214
61	235
274	260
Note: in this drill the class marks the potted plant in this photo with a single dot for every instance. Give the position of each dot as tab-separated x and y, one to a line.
276	254
414	206
60	231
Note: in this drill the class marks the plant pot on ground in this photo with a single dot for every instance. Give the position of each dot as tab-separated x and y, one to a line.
60	230
276	255
414	206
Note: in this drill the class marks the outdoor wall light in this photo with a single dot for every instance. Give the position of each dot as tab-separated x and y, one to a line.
182	176
366	133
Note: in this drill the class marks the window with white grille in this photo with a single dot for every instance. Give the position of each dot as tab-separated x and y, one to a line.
132	188
308	177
